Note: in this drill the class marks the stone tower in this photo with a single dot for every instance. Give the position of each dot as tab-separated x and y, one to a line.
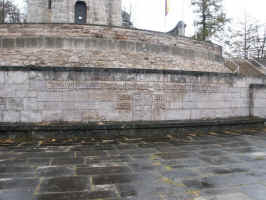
106	12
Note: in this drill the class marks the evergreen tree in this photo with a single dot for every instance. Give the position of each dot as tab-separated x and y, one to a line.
126	19
211	18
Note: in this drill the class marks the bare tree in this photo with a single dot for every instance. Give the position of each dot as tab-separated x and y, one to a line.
258	44
243	37
10	13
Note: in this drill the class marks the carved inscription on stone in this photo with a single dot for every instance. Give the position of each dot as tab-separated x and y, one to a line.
142	106
158	101
124	103
117	85
158	106
61	84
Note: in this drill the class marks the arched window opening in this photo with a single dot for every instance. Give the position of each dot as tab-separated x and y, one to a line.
80	12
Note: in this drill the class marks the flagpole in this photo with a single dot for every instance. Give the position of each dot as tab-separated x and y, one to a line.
165	24
165	14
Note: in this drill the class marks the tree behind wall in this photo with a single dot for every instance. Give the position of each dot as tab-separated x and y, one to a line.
11	13
248	39
126	19
211	18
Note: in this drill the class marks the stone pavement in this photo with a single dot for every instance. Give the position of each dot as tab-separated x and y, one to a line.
221	165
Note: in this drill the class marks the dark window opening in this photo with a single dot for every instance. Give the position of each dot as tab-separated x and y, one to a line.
80	12
49	4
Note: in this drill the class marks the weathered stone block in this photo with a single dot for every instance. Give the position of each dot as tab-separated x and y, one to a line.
38	85
11	116
32	42
30	104
68	43
142	47
8	43
176	115
3	103
15	104
2	77
20	42
59	42
52	116
31	116
49	42
78	43
17	77
72	116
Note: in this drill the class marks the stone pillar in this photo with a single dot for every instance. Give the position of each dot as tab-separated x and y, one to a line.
115	9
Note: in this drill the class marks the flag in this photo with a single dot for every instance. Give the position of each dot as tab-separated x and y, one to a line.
167	8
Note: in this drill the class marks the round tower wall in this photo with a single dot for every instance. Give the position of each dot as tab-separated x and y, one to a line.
71	45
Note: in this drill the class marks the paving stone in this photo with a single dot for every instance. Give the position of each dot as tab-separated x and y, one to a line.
17	162
90	153
68	161
38	161
17	194
179	173
184	163
256	192
76	195
236	196
218	191
173	156
126	190
250	158
219	160
221	171
8	156
13	169
18	175
212	153
65	184
54	171
108	159
220	181
111	179
18	183
103	170
101	194
63	196
48	154
136	151
141	167
242	150
208	168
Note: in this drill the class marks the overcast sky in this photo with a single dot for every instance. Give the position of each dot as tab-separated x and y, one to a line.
149	14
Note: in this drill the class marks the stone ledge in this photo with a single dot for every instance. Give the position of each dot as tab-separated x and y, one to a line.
67	126
117	70
68	26
258	86
105	44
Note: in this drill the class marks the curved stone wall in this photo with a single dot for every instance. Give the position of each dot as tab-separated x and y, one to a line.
71	45
74	94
